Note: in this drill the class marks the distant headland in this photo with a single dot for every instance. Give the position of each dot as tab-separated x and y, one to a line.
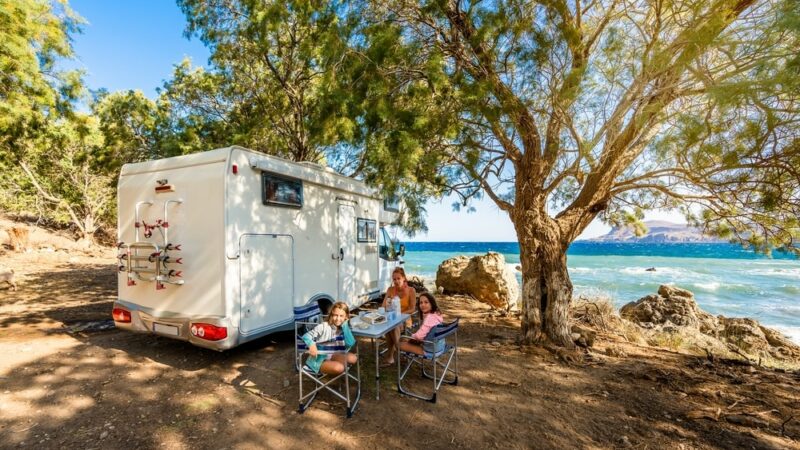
659	231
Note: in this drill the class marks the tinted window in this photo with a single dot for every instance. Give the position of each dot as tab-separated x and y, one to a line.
391	203
281	191
367	230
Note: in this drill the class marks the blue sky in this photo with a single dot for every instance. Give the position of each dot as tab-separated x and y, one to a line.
133	45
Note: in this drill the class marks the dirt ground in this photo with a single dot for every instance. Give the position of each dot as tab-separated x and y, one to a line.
63	385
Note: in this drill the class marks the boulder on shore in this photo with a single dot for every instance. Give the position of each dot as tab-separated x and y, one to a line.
674	310
487	278
672	306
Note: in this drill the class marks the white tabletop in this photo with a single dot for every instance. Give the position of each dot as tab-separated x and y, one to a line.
379	329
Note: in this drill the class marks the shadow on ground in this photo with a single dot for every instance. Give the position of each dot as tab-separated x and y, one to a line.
115	389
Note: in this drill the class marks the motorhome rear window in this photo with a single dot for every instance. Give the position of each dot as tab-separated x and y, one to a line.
281	191
367	230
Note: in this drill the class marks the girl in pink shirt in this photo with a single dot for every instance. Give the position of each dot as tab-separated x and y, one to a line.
430	316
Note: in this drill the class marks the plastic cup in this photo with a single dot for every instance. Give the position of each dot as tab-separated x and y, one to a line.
381	310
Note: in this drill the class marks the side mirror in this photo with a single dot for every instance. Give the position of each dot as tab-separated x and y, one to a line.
401	250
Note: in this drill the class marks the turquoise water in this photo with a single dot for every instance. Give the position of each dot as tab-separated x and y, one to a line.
725	278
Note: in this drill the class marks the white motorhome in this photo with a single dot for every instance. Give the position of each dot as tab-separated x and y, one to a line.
216	248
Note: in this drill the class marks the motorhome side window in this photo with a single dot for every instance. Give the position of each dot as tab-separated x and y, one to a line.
391	203
367	230
281	191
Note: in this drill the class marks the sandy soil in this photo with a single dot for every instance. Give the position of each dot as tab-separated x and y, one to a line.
64	387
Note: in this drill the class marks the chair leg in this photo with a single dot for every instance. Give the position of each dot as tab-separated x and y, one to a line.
445	370
350	403
411	361
304	406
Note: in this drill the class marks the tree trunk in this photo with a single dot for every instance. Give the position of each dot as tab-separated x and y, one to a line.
546	287
88	229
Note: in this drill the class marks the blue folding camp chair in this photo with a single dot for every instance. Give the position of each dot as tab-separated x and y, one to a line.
306	318
440	352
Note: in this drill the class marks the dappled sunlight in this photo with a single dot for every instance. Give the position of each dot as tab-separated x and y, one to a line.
172	439
16	354
121	389
75	289
144	374
13	408
71	406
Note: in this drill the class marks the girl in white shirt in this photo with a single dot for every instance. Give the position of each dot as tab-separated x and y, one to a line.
337	323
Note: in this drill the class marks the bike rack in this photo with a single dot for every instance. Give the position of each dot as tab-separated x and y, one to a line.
134	271
136	223
165	224
157	255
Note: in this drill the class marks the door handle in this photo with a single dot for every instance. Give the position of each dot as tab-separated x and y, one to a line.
341	254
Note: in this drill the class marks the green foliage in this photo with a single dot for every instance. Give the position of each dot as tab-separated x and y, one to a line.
59	176
689	105
48	153
34	35
276	83
134	129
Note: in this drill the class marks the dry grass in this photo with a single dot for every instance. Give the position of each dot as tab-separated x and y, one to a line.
672	341
599	313
596	312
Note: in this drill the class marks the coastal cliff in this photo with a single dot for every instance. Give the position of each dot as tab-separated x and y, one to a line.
658	231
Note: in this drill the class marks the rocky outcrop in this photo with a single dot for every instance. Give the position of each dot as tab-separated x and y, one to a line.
674	310
487	278
672	306
418	284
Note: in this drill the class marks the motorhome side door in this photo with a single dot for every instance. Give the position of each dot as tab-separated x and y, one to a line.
346	224
267	281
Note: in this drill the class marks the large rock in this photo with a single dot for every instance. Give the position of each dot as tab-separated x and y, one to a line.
487	278
674	310
671	307
745	333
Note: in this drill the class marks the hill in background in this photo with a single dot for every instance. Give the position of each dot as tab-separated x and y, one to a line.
658	231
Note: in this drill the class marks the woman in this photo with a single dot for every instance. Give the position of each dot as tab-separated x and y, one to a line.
408	303
429	317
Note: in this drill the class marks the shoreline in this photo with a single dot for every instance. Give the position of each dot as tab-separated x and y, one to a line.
790	332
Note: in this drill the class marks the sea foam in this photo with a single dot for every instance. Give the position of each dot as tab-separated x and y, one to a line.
659	271
782	272
710	286
793	333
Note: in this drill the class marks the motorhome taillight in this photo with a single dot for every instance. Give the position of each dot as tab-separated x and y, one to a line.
235	169
120	315
209	332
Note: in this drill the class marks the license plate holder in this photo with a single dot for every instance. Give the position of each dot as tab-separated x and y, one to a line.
169	330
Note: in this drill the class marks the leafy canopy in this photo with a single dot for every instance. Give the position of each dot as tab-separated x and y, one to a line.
570	110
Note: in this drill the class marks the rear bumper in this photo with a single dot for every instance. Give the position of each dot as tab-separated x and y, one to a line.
143	320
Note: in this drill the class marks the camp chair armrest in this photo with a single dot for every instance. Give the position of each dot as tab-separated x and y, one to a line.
327	347
326	352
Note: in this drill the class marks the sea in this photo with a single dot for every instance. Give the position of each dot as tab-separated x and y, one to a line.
725	278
